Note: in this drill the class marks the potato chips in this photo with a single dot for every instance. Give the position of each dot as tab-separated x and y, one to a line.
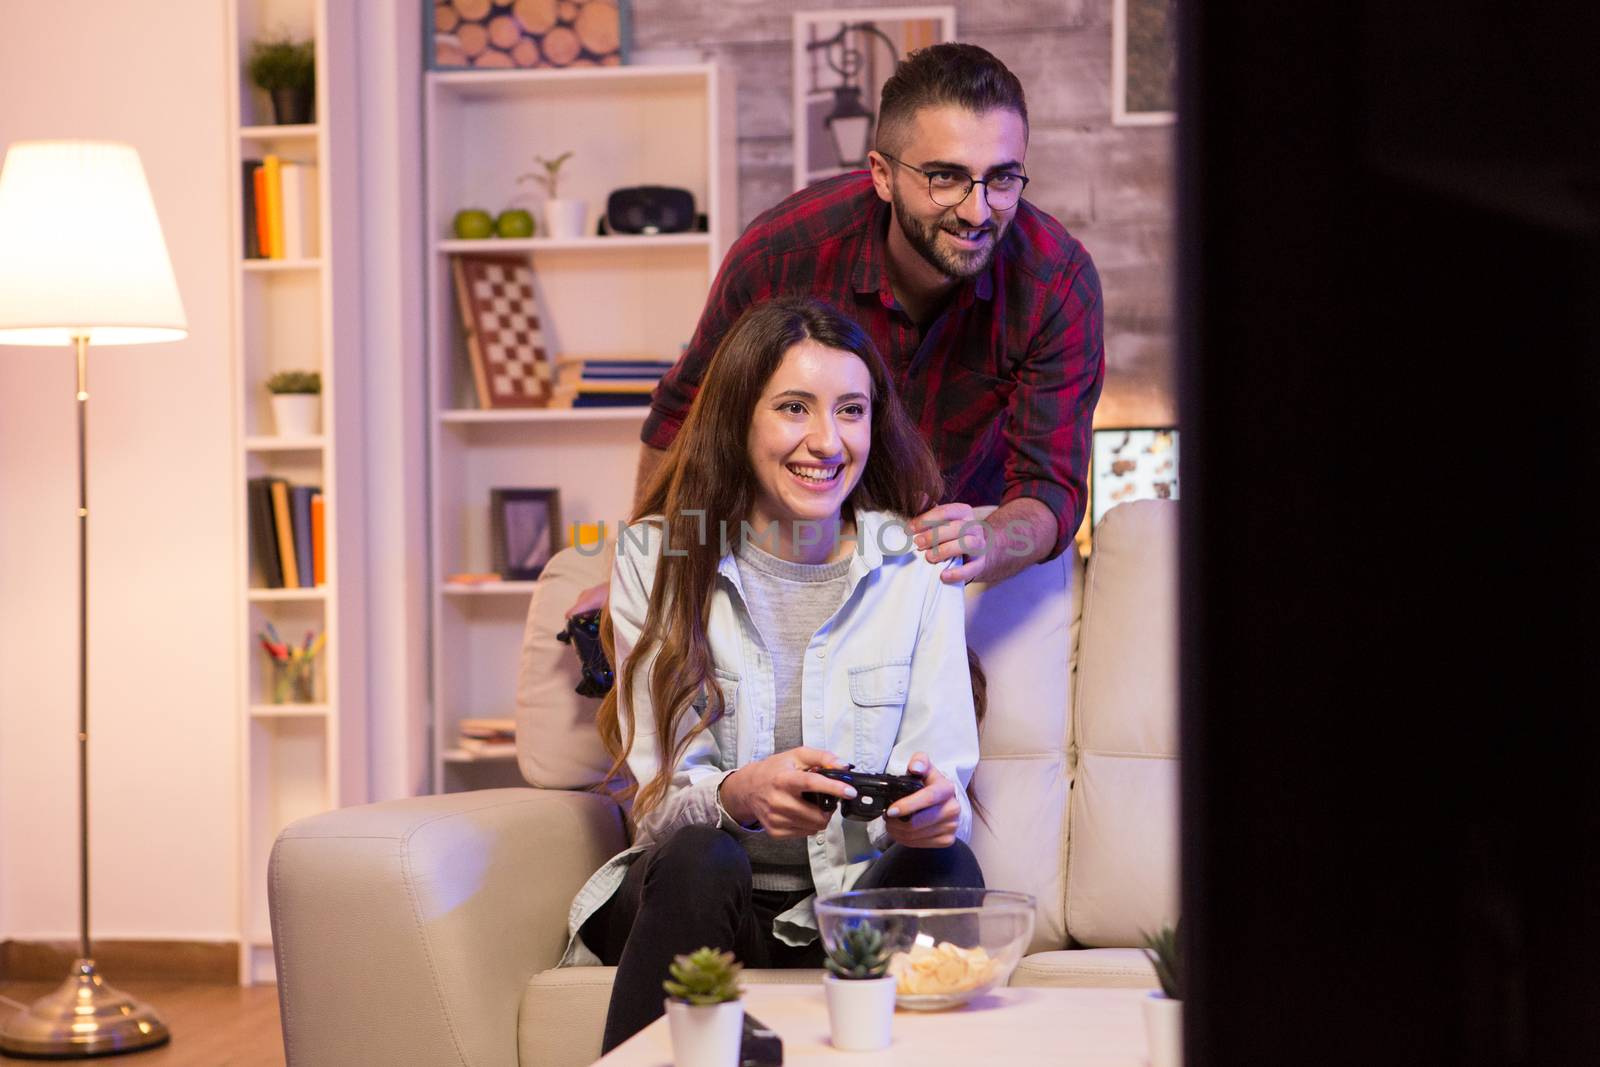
941	969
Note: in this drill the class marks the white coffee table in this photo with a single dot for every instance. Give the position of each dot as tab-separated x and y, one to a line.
1013	1026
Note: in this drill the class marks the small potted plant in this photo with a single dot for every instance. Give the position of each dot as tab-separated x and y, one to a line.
704	1012
287	71
563	219
1163	1010
296	402
860	990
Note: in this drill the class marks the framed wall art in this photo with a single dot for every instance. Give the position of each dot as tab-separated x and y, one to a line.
841	60
506	35
1144	62
526	530
1138	463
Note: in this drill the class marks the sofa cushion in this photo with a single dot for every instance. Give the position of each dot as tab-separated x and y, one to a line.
1020	629
1097	968
1122	871
557	746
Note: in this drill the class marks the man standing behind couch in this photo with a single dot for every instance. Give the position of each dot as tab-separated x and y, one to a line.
987	310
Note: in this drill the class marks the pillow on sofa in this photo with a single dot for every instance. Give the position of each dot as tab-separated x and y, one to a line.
557	746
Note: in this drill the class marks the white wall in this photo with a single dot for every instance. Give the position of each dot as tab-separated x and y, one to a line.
163	718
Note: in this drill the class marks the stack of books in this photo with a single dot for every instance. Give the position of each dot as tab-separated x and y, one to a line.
280	209
606	381
287	534
488	737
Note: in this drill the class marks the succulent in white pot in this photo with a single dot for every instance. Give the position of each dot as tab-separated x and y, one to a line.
296	402
1163	1010
704	1012
563	219
860	990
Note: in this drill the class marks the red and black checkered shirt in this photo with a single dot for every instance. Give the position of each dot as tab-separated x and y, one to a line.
1003	383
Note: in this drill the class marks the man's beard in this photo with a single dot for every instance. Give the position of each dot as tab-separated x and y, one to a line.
952	263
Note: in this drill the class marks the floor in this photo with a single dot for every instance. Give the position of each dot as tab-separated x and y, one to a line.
212	1025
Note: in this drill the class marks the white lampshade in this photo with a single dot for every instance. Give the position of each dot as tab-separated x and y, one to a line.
81	251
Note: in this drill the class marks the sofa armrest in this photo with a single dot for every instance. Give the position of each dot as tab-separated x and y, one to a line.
405	931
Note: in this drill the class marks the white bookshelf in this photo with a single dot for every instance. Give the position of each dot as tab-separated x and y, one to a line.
598	295
297	759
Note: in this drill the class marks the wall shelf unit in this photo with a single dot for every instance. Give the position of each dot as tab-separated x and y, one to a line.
302	314
597	296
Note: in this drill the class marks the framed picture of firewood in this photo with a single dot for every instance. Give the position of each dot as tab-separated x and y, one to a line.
511	34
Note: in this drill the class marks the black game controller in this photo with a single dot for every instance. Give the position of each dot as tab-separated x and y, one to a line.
583	634
874	792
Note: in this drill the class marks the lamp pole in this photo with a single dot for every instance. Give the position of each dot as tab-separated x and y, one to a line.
80	343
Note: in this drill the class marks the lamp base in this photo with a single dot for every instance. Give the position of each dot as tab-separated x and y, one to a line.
84	1017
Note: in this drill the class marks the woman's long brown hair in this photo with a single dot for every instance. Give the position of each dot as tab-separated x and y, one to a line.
706	471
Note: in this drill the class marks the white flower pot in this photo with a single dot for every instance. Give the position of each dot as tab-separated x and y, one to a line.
566	219
860	1012
297	414
705	1035
1163	1029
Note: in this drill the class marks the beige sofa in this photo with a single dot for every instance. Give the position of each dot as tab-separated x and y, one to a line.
426	931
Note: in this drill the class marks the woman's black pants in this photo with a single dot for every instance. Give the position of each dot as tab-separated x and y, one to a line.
694	889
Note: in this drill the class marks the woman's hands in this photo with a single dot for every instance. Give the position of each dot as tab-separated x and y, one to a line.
934	810
768	791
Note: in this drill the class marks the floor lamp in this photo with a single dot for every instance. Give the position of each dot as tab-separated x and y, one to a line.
82	261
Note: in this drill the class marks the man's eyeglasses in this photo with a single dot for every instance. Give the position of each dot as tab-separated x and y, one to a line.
948	188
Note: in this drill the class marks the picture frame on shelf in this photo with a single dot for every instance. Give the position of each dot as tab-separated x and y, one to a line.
1132	463
525	525
525	34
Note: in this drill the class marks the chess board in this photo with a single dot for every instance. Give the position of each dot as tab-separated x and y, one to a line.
510	366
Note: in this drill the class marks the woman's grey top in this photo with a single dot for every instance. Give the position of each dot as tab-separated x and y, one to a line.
788	603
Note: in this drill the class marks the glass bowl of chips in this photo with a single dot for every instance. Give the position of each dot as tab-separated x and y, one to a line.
945	946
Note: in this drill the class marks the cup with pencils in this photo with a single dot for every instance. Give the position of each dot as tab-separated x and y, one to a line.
292	668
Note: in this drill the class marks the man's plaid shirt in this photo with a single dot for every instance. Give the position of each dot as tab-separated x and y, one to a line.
1003	383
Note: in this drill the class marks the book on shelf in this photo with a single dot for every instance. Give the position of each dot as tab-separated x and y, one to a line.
300	504
273	167
252	236
607	381
263	532
487	748
258	184
487	737
287	533
284	523
319	539
299	182
280	209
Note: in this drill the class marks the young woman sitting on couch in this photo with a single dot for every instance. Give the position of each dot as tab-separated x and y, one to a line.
771	617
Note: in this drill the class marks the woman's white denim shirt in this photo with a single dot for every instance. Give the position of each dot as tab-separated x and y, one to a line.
884	678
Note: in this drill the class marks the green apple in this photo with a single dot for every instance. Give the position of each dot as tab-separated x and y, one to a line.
514	223
473	224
